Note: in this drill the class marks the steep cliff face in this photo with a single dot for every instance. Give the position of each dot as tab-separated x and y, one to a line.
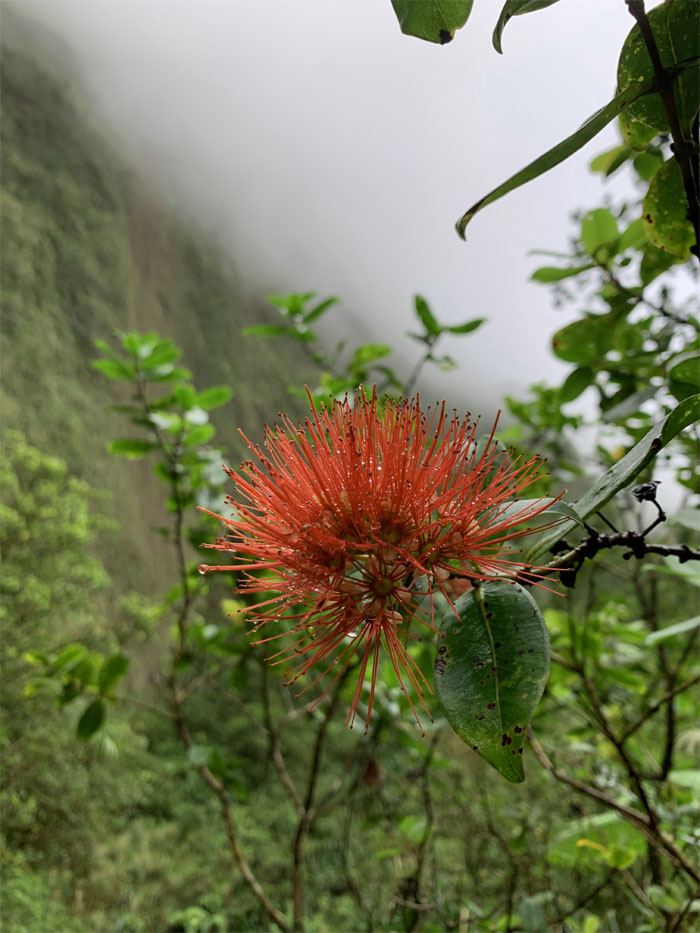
88	250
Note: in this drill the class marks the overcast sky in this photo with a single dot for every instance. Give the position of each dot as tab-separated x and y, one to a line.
329	152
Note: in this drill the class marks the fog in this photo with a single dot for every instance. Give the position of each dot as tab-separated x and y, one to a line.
326	151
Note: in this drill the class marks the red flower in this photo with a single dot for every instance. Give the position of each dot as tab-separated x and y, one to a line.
359	517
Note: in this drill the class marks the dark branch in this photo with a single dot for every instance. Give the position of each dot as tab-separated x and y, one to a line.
682	148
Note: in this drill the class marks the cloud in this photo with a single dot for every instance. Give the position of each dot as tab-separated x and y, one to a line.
327	151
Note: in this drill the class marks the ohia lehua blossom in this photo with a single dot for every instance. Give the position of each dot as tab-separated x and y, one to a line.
350	524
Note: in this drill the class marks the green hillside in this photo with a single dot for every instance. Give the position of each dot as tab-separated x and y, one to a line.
87	249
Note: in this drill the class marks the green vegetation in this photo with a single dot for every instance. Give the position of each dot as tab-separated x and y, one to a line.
158	775
87	250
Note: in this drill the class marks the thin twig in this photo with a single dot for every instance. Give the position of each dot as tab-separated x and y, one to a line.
275	747
658	839
309	811
659	703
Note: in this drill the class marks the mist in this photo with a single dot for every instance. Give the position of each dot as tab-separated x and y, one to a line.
324	150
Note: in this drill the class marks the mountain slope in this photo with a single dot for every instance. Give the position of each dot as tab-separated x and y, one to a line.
88	250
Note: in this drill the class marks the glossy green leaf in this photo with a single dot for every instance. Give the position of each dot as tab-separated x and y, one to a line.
624	471
426	317
665	210
214	397
432	20
671	631
515	8
467	327
560	152
491	670
547	274
91	720
676	28
130	447
112	671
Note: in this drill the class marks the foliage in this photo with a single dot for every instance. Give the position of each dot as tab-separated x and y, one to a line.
203	799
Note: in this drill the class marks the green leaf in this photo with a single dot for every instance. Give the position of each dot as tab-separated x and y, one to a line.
367	353
686	367
654	263
185	396
560	152
91	720
214	397
647	164
598	228
491	670
688	572
315	313
130	447
413	828
624	471
680	628
515	8
608	162
547	274
426	316
509	510
665	216
633	237
686	777
467	327
112	671
676	28
162	354
569	846
585	341
432	20
199	434
268	330
687	518
114	369
69	656
628	404
575	383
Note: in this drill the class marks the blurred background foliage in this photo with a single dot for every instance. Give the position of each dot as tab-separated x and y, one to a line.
118	829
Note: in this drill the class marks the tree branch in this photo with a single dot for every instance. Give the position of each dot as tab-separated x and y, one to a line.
681	146
660	840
